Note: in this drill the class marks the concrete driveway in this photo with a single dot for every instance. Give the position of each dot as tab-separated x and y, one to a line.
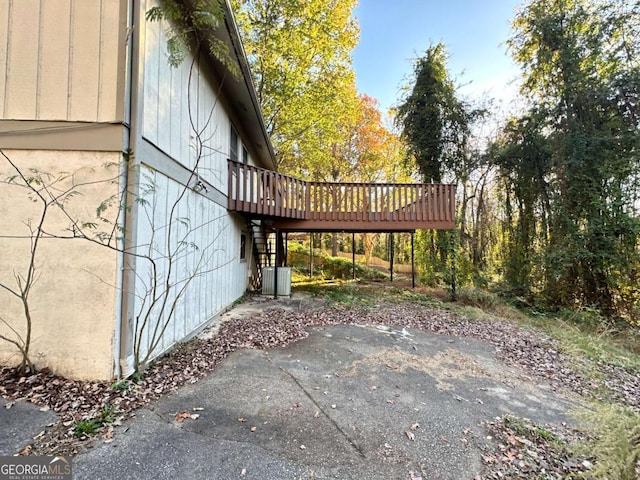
348	402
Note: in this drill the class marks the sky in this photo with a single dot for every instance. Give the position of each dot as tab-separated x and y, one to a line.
394	32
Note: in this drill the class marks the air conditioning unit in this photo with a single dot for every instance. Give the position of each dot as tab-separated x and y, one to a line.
284	281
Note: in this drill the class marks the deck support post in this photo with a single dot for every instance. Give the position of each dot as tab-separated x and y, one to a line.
310	254
286	248
413	264
277	264
353	254
391	254
454	290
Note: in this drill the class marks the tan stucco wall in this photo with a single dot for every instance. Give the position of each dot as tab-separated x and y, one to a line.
73	302
65	59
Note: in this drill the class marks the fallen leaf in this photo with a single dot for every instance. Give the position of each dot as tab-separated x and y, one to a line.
9	405
391	402
253	429
415	426
181	416
46	408
242	419
25	451
373	387
410	435
194	416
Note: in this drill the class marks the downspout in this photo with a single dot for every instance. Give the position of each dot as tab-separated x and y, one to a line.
122	187
124	334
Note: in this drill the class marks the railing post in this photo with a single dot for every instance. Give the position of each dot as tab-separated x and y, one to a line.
253	178
230	201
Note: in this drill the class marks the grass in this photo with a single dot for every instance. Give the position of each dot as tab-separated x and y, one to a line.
120	386
88	427
526	429
594	342
614	442
338	291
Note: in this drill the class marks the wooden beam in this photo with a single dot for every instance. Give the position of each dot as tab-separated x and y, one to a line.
293	225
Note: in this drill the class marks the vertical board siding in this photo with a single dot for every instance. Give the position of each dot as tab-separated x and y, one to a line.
177	97
4	47
22	61
61	59
85	51
219	277
151	81
178	105
54	44
109	44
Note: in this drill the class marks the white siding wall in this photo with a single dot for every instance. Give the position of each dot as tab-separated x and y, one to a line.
204	250
176	97
205	233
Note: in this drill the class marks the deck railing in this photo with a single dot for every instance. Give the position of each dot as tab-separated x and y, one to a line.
376	202
267	193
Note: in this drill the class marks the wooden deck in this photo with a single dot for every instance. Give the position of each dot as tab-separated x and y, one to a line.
296	205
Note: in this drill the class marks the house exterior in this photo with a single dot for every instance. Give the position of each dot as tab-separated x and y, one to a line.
136	198
90	104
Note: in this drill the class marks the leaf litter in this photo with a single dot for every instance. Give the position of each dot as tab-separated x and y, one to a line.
535	353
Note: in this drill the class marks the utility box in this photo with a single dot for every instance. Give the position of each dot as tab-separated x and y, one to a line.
284	281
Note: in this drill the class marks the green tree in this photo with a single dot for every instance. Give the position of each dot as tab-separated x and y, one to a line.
579	62
300	54
434	122
436	126
523	159
193	23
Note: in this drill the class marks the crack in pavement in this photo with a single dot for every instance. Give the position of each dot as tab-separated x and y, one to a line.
350	440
